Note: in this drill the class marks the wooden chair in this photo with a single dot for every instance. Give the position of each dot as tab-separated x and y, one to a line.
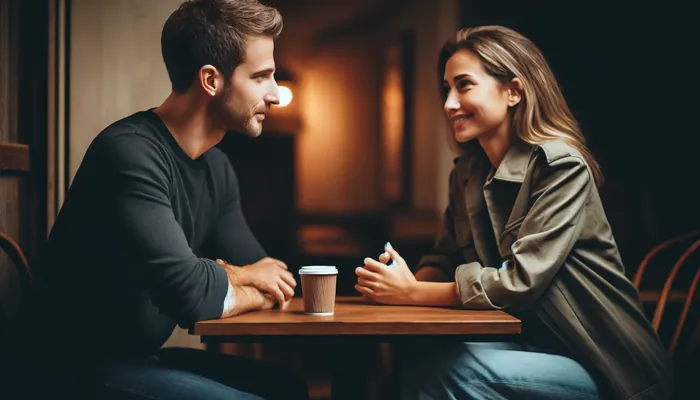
675	285
676	263
659	262
684	345
15	295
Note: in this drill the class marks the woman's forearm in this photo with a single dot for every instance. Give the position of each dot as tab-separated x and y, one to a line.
436	294
432	274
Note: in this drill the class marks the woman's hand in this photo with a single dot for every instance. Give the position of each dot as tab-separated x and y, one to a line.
388	284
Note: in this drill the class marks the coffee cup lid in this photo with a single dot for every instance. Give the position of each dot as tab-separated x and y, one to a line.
318	270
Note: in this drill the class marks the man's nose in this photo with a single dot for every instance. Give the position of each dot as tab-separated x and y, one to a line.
273	95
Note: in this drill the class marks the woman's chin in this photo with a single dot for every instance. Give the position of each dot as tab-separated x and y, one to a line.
464	137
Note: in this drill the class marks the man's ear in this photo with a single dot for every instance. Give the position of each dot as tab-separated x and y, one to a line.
210	80
515	92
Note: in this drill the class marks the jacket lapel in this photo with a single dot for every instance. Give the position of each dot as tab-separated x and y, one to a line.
514	171
480	224
515	220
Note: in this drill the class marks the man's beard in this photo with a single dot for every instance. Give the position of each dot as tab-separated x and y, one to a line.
235	119
251	126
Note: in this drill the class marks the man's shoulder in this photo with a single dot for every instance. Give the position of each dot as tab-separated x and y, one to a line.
137	126
133	135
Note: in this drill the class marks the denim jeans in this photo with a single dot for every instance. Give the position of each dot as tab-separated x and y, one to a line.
490	371
173	373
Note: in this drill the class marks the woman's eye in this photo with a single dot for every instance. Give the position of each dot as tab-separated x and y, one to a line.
463	84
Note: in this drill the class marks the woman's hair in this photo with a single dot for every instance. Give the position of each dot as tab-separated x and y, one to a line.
542	114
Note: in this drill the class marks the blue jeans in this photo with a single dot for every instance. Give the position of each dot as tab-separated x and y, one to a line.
490	371
173	373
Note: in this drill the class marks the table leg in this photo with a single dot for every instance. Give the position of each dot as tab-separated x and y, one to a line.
358	372
349	371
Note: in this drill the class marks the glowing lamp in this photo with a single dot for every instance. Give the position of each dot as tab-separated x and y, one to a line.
286	96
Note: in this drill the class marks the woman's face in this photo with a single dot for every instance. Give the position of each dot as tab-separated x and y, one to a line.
477	103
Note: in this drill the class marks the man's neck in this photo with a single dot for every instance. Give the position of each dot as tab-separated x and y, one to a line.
189	123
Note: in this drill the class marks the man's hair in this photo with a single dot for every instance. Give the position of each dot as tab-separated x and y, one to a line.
215	32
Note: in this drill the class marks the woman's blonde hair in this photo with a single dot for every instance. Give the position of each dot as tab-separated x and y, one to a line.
542	114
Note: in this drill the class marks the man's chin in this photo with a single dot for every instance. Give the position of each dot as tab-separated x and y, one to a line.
251	131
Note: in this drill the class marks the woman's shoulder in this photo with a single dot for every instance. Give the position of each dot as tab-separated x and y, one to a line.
556	161
557	154
558	150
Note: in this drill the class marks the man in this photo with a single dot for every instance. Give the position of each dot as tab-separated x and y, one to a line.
153	209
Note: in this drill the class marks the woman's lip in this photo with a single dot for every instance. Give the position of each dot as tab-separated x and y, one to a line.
457	121
461	116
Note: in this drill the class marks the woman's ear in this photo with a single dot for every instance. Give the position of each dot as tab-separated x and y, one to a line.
515	92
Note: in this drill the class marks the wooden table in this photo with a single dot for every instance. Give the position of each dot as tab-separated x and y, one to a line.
355	317
358	320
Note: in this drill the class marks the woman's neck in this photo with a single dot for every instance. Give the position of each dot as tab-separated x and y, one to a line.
496	143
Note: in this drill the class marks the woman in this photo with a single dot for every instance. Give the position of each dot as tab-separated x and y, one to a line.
525	232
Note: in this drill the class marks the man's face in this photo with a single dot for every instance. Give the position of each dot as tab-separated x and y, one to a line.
251	90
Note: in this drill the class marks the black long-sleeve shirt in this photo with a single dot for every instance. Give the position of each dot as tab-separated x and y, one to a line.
131	253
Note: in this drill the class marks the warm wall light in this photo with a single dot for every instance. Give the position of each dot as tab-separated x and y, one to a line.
285	96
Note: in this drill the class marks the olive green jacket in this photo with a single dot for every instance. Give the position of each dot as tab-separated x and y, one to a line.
532	238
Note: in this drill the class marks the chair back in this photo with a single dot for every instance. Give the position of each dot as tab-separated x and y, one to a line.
663	257
15	294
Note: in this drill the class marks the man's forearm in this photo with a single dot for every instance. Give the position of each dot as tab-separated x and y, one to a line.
235	303
240	299
237	276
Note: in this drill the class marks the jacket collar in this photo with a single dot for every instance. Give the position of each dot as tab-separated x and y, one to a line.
514	164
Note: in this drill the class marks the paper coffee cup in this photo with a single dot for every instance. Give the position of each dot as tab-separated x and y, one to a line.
318	284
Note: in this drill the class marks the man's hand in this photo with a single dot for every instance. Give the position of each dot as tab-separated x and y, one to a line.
268	275
241	299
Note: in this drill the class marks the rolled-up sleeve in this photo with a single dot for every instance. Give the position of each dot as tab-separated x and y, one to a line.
545	239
